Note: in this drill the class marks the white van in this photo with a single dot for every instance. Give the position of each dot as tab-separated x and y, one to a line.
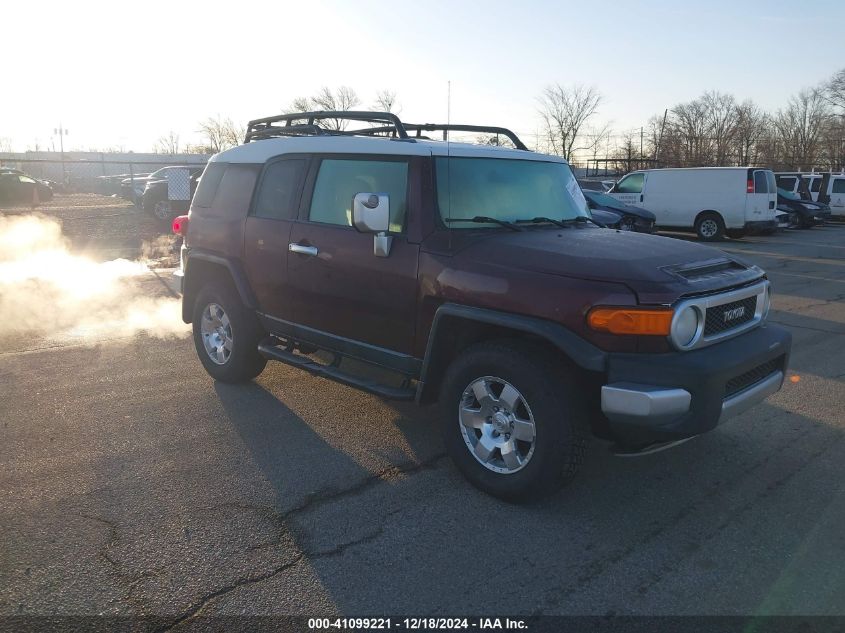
715	201
832	192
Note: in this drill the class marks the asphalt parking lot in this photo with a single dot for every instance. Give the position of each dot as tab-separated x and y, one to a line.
132	484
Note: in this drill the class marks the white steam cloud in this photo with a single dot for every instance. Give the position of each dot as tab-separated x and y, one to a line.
45	290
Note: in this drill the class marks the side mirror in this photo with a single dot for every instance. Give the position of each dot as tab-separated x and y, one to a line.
371	212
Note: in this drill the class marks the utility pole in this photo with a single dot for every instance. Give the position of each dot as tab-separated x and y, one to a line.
660	138
641	145
61	132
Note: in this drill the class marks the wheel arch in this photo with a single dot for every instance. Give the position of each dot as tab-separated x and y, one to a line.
704	212
456	327
201	267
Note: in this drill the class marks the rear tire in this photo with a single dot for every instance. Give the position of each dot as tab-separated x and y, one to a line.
226	335
709	227
526	394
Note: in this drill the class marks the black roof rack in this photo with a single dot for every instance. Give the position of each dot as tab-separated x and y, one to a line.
452	127
307	124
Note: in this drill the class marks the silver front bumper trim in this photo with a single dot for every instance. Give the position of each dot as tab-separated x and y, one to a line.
633	399
750	396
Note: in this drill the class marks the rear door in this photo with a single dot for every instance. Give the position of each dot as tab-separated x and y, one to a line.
336	284
274	209
837	195
761	196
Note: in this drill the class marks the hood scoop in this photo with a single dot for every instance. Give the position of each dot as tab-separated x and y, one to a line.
706	270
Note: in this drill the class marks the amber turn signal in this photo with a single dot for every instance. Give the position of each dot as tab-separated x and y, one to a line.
631	321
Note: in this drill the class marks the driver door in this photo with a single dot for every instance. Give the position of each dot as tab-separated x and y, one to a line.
337	285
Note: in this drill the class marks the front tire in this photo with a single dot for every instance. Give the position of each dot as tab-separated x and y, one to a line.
709	227
512	420
226	335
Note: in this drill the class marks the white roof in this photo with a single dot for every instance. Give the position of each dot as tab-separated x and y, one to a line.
261	151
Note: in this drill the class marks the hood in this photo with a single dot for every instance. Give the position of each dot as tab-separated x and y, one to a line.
647	263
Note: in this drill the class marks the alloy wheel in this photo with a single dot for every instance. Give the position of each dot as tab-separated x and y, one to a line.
497	425
216	332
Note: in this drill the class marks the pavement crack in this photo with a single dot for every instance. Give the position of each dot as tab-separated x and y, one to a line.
197	608
114	537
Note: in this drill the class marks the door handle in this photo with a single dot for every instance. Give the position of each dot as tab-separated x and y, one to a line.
771	204
311	251
641	197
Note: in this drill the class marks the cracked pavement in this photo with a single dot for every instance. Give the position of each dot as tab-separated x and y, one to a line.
132	484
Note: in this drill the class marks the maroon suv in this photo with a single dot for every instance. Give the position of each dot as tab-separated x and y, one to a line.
476	277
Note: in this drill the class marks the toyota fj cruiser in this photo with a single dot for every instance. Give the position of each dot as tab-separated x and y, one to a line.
476	277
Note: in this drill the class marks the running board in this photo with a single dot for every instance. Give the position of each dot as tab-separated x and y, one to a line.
332	372
621	451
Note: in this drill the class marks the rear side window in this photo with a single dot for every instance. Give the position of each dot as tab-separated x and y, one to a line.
786	182
838	186
339	180
761	183
208	183
632	183
278	193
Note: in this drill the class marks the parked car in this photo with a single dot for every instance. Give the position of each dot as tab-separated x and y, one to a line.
53	185
592	185
713	201
132	187
475	277
802	213
18	188
618	215
155	198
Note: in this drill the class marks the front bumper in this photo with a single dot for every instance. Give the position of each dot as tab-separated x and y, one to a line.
689	393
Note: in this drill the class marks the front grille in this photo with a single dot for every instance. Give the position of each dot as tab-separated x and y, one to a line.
727	316
743	381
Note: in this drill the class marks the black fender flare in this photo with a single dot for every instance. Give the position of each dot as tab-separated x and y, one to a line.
581	352
236	273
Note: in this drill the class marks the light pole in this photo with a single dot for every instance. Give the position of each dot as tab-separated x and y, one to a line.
62	132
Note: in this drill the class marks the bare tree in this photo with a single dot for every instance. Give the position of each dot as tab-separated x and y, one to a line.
168	144
342	99
386	102
221	134
721	112
800	128
834	90
300	104
751	126
690	123
5	144
564	111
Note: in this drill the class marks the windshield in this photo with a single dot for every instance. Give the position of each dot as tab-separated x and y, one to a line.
605	200
788	194
506	189
159	173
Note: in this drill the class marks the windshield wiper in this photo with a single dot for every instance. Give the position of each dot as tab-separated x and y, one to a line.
540	219
483	219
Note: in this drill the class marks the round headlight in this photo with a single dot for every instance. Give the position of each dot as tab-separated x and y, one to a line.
685	326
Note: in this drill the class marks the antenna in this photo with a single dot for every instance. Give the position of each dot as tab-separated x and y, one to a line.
448	158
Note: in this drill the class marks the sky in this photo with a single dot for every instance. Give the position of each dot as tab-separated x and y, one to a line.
122	75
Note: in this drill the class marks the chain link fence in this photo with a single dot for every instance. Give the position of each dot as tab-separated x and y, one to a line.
103	175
